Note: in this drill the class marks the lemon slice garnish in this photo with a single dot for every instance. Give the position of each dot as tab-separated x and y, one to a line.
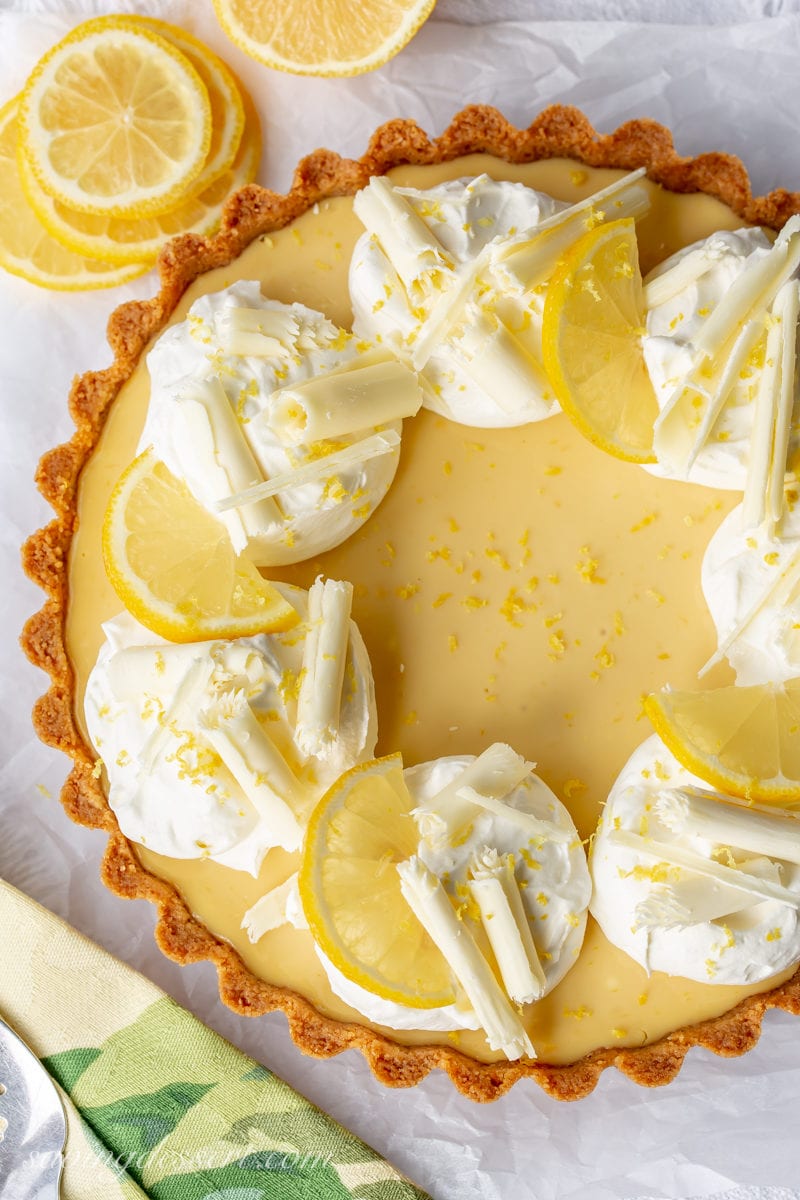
350	888
26	248
322	37
114	119
173	564
592	341
744	741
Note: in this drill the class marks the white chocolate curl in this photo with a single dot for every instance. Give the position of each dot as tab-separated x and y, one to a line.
496	893
372	390
431	906
324	658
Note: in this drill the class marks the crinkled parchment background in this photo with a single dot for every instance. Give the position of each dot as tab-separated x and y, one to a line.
726	78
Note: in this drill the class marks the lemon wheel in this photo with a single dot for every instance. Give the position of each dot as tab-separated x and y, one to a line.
114	119
744	741
350	887
592	342
174	567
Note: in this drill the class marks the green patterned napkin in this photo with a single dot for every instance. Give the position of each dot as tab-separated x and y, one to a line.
158	1105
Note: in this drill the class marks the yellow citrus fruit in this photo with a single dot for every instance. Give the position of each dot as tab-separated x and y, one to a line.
322	37
350	888
592	329
227	109
26	247
139	239
173	565
114	119
744	741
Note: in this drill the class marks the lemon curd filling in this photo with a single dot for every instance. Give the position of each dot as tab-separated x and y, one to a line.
515	585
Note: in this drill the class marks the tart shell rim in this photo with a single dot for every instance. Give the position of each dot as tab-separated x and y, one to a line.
559	131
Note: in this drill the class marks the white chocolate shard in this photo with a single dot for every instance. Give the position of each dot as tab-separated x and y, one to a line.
324	659
179	717
408	243
678	856
256	332
216	432
529	263
499	363
524	820
494	773
372	390
431	906
693	900
726	379
326	467
496	893
781	586
447	310
754	503
233	730
785	309
665	282
693	813
269	912
752	292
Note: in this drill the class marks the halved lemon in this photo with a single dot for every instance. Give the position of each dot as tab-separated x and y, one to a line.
114	119
350	888
592	329
139	239
744	741
173	565
26	248
322	37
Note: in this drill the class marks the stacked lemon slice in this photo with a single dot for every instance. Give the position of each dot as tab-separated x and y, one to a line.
127	132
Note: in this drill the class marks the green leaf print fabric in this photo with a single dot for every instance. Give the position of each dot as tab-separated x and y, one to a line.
157	1104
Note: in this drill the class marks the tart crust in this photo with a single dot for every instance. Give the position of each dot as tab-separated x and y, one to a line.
559	131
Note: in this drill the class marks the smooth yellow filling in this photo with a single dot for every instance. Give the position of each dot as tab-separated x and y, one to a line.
515	585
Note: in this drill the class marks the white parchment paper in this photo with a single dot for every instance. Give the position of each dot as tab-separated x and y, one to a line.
726	1129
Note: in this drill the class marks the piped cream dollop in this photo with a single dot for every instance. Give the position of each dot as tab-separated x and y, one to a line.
274	407
499	324
685	892
200	740
529	833
707	437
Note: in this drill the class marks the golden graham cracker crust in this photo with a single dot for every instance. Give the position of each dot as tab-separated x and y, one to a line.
557	132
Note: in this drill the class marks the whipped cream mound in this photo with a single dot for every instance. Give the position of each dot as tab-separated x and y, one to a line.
751	584
705	436
465	216
200	740
248	390
726	924
551	874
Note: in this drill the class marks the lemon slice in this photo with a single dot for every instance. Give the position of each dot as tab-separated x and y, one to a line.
174	567
592	340
115	120
744	741
26	247
322	37
351	893
139	239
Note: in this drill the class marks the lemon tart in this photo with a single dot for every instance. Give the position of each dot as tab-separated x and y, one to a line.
515	585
